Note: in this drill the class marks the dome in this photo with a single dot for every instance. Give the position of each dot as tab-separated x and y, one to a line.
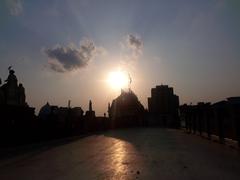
45	111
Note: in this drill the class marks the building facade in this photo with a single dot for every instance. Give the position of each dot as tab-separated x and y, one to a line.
163	107
126	111
17	119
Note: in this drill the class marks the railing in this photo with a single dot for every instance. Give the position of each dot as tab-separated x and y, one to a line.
221	120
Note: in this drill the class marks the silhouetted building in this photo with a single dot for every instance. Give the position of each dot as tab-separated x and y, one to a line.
90	113
45	111
126	111
11	93
17	118
61	120
77	120
163	107
90	123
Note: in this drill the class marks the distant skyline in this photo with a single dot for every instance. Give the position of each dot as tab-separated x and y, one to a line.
64	50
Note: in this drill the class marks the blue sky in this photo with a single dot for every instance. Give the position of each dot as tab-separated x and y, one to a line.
191	45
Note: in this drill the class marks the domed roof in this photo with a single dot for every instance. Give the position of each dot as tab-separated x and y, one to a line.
45	110
126	103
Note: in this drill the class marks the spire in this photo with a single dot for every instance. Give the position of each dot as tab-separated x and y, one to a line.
90	105
69	104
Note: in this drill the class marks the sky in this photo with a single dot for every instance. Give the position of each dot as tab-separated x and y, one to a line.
64	49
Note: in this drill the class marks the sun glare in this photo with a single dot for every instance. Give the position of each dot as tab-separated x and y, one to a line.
118	79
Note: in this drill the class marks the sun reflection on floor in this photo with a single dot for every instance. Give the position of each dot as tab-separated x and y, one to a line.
122	161
119	157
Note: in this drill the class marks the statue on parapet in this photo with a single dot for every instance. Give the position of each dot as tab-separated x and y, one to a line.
13	94
12	79
11	88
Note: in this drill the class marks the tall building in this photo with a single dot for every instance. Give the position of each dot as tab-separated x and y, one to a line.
163	107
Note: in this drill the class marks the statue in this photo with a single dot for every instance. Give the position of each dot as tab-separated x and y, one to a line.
11	88
12	79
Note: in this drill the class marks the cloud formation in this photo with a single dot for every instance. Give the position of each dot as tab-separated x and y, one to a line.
15	7
133	47
68	58
135	42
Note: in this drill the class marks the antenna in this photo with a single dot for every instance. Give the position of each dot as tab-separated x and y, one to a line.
130	81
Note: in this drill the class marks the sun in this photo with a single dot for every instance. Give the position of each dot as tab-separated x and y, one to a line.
118	79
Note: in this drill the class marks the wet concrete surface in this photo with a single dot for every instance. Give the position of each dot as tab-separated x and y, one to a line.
147	153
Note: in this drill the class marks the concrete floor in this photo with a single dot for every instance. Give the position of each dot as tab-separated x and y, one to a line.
149	153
